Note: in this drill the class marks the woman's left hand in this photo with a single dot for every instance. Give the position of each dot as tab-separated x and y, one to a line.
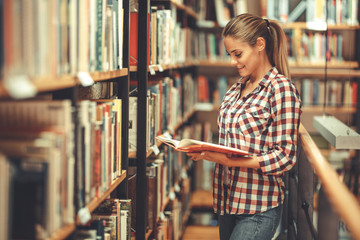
210	156
225	159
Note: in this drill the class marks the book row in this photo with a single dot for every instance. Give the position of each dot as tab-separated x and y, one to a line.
51	38
166	107
174	42
340	92
225	10
111	220
308	46
316	11
60	160
212	89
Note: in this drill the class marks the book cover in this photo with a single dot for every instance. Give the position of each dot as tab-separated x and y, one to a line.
132	193
111	207
191	145
111	222
5	190
126	215
36	187
132	123
151	175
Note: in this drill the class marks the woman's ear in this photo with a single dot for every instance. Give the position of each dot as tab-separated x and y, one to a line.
260	43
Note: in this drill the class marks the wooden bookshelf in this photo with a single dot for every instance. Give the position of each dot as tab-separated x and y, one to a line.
56	57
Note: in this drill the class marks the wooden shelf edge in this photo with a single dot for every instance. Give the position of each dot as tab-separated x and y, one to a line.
330	65
104	76
320	73
96	201
51	83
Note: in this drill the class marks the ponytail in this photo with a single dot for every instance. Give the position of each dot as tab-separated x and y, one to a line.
249	28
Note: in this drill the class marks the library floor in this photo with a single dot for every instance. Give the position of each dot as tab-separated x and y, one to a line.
201	200
201	233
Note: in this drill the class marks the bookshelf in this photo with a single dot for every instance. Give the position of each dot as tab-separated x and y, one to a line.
63	77
168	74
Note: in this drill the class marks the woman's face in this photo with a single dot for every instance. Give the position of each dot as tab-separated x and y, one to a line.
242	56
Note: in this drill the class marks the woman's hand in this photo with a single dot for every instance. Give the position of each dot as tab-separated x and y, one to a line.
225	159
196	156
210	156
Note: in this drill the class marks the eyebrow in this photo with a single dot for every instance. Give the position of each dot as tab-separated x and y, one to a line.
235	50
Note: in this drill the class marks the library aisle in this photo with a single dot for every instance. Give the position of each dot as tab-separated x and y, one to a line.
201	200
201	232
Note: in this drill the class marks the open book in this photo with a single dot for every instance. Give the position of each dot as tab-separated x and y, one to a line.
191	145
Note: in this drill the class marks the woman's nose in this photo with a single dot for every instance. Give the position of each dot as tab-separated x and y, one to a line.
233	61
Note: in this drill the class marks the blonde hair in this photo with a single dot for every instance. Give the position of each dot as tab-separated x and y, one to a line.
249	28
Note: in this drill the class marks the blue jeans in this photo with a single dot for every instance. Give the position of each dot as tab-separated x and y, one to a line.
260	226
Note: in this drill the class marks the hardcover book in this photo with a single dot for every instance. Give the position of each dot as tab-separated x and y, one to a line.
191	145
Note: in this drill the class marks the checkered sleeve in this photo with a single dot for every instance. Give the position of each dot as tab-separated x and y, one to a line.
283	130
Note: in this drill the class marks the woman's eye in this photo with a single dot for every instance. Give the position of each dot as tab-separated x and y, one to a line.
238	55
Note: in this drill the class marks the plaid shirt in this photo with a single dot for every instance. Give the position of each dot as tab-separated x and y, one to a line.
264	122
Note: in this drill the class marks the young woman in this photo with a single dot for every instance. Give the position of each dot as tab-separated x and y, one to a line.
259	114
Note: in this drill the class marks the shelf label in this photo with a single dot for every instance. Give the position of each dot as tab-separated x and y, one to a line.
318	25
172	195
160	68
167	134
162	216
152	71
84	215
177	188
155	150
85	79
20	86
184	174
